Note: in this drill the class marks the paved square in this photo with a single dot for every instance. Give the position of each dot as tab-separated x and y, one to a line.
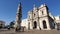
30	32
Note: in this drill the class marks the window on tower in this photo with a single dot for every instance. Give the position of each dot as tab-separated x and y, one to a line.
29	16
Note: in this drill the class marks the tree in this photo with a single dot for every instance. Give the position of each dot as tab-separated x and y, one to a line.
12	24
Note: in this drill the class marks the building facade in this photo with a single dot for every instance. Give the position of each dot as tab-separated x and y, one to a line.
2	24
40	18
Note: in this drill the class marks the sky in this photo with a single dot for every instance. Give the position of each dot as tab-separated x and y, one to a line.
8	8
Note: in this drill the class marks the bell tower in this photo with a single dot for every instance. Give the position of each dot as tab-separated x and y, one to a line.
19	14
18	17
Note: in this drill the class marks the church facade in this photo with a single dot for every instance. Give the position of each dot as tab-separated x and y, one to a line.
40	18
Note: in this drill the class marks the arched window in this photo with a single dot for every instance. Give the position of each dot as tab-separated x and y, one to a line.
44	24
42	13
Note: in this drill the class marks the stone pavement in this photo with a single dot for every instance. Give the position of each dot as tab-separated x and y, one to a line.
30	32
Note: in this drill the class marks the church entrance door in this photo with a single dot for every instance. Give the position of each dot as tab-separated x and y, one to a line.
35	25
44	24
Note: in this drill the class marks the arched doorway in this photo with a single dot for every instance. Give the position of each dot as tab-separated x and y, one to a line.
44	24
35	25
29	25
